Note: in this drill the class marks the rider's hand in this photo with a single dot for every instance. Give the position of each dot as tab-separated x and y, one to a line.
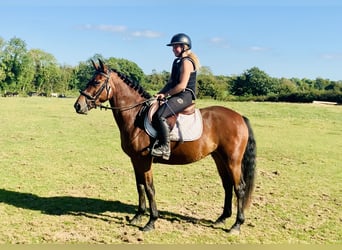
160	96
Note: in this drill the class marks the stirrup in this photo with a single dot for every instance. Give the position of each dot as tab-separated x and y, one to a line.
160	152
165	156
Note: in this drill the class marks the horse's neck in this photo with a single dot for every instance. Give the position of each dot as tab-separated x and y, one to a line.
122	102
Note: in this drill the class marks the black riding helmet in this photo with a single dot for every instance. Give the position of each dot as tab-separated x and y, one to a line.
180	38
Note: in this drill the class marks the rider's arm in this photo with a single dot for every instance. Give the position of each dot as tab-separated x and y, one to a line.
186	70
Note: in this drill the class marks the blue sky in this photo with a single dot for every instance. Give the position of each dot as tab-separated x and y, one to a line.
284	38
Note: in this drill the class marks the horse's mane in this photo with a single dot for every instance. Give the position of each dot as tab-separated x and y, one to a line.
134	85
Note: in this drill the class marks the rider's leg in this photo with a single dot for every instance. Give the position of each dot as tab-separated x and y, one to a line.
162	149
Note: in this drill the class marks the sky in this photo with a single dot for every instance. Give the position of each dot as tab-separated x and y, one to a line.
284	38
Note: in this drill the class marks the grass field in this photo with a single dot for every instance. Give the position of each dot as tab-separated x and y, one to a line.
65	179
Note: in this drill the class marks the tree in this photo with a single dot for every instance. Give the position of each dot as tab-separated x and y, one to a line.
67	80
321	83
156	80
253	82
2	65
24	79
16	64
286	86
206	83
46	71
334	86
130	69
82	74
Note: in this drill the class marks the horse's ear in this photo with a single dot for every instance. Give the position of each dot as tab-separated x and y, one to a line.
103	67
96	67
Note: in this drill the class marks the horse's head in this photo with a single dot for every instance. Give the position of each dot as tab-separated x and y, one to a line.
97	91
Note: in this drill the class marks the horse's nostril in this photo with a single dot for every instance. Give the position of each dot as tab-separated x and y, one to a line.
77	106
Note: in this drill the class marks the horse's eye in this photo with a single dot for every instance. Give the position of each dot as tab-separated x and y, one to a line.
95	82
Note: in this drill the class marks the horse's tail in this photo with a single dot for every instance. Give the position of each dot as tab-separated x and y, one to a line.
248	165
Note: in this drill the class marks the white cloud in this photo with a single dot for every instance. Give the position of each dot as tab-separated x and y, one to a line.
257	48
220	42
146	34
122	29
216	40
112	28
332	56
106	28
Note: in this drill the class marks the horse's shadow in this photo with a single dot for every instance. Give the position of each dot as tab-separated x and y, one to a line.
83	206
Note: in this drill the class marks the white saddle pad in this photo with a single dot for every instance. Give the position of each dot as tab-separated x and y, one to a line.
187	127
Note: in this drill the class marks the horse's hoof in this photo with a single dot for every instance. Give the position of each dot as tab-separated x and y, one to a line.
147	228
135	220
219	223
234	231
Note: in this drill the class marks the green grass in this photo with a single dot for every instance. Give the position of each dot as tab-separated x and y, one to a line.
65	179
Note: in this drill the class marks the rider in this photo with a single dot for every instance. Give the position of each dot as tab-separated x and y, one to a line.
178	92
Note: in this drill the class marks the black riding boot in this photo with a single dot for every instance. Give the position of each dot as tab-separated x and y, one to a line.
162	149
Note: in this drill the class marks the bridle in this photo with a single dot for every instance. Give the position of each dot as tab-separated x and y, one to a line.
105	85
97	94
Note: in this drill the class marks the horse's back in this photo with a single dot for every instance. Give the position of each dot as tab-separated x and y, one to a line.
221	116
224	126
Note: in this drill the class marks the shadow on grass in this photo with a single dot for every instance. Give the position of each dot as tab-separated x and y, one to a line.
82	206
60	205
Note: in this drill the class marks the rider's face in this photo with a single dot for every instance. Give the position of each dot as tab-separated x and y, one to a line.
177	49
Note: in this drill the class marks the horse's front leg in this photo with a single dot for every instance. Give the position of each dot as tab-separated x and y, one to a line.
142	204
150	192
144	179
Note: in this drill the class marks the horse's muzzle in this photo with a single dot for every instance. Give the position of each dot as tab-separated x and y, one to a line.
81	109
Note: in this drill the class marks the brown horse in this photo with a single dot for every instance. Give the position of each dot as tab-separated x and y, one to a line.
227	137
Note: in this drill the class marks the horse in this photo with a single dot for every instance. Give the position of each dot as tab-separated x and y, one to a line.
227	136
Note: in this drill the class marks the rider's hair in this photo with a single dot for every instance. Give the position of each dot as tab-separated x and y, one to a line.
188	53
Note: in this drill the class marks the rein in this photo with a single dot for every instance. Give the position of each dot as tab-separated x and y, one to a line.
107	87
125	108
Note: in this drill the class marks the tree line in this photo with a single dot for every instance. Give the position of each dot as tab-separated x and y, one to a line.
25	71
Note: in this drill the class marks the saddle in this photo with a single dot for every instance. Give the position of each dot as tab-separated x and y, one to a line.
184	126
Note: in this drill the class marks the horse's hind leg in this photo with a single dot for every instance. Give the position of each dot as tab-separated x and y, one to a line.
239	189
231	175
228	188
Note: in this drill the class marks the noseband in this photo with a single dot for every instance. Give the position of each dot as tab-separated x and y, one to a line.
105	85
